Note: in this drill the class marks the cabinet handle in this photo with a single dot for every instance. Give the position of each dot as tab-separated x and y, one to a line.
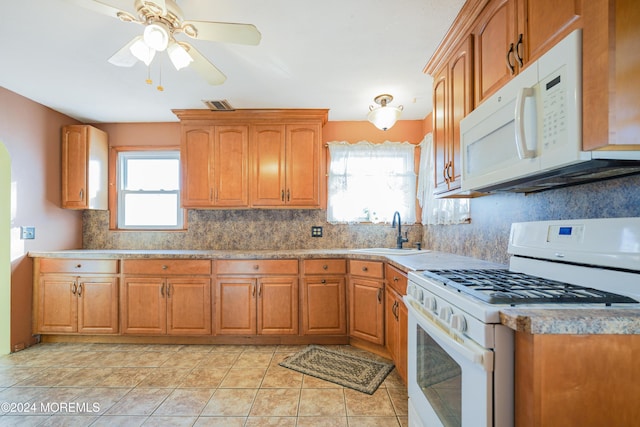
259	290
81	193
511	66
253	291
210	194
444	174
162	290
288	195
519	57
74	288
80	289
450	170
282	195
379	295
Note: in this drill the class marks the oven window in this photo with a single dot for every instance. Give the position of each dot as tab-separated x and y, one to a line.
440	379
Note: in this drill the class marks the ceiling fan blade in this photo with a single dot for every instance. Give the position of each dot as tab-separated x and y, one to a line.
202	66
105	9
124	57
223	32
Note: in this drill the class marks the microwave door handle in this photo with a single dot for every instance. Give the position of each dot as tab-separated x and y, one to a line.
521	143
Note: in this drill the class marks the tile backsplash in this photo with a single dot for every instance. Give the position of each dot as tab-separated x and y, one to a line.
486	237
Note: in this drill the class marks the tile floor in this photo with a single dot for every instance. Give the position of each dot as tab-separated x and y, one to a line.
181	385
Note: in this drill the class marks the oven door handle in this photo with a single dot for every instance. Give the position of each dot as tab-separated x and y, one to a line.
468	349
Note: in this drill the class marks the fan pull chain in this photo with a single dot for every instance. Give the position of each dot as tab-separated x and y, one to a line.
160	87
148	81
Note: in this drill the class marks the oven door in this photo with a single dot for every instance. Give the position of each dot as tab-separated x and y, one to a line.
450	380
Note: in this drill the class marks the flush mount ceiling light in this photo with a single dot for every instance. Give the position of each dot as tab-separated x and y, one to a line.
384	116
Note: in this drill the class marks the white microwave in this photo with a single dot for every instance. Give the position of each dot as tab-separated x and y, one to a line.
527	137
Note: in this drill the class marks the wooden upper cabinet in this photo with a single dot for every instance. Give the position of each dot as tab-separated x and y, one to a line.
286	165
85	154
496	41
215	167
452	101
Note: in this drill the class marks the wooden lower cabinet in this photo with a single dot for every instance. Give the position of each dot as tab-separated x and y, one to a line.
177	304
257	297
366	301
577	380
323	296
75	296
395	319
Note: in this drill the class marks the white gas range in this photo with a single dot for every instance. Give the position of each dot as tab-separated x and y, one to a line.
460	356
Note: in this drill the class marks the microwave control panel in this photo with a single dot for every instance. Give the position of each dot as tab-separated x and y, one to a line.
554	106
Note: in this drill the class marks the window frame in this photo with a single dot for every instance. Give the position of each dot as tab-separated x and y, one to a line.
114	183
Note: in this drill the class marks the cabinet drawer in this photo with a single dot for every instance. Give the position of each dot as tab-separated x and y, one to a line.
396	279
163	267
325	266
73	266
366	268
259	267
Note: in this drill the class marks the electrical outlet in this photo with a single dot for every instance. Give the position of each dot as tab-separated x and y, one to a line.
27	233
316	231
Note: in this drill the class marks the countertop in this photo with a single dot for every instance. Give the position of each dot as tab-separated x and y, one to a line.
560	320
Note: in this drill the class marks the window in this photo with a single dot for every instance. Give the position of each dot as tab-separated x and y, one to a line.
369	182
149	190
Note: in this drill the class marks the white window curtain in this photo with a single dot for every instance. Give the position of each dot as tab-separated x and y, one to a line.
369	182
437	211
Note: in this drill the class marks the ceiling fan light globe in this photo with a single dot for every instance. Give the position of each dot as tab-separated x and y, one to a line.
384	117
142	51
156	36
179	57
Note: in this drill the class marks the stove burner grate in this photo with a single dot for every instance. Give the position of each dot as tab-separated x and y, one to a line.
508	287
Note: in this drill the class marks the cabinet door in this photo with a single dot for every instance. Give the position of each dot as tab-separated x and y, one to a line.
57	307
402	354
196	151
144	308
235	306
75	159
303	153
324	309
366	309
268	169
97	305
188	306
545	23
391	323
460	104
231	166
494	35
277	305
440	128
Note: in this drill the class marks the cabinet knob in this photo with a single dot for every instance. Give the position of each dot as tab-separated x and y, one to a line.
164	267
323	281
395	278
325	267
365	268
256	267
79	266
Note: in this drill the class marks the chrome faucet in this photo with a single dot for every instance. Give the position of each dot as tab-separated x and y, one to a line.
399	240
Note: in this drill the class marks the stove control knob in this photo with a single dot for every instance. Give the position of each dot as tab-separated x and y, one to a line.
431	304
458	323
445	314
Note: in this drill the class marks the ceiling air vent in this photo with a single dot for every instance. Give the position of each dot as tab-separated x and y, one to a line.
219	105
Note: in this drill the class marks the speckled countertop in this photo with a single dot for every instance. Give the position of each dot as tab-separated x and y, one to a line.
559	320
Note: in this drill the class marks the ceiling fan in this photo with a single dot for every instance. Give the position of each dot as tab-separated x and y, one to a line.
163	20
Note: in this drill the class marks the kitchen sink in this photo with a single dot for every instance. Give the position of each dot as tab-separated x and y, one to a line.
389	251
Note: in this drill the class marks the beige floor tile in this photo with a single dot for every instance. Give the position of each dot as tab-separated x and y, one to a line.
69	421
154	421
220	422
196	348
139	401
322	402
183	402
86	377
230	402
322	421
125	377
400	400
23	421
277	402
243	378
227	348
373	422
279	377
164	377
47	377
204	378
361	404
119	421
393	380
253	360
270	421
312	382
218	360
101	399
183	360
10	375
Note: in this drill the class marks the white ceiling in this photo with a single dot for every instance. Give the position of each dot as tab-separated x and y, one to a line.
335	54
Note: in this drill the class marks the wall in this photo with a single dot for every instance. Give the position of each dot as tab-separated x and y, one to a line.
31	134
486	237
5	250
251	229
